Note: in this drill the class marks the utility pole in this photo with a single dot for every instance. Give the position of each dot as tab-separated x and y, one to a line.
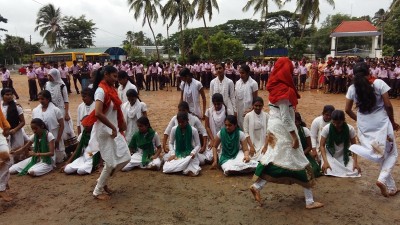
30	47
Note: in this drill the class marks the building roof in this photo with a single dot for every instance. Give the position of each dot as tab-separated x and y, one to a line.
108	50
355	28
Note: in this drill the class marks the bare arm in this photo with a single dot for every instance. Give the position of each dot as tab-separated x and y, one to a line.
217	141
203	96
348	109
389	110
325	165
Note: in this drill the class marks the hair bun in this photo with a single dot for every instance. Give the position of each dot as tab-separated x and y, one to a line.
361	68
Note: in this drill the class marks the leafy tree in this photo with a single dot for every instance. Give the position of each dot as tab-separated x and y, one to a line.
205	7
271	40
150	14
392	29
388	50
246	30
224	46
261	6
78	32
199	46
285	23
49	22
3	20
15	47
181	9
299	47
309	9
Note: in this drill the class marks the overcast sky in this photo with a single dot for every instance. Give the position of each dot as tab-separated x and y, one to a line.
113	18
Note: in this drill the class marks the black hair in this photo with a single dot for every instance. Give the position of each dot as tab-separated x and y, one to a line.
185	72
12	111
100	75
122	75
258	99
328	109
245	68
231	119
184	105
221	63
144	121
365	92
217	97
297	116
45	94
39	123
338	115
88	92
182	116
132	93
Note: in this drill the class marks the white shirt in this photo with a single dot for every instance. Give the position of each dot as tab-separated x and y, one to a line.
122	91
84	110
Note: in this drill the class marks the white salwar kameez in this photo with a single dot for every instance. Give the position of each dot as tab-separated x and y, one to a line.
114	151
18	139
244	97
187	164
227	89
316	129
136	158
4	169
237	165
84	163
50	117
84	110
375	129
40	168
216	123
191	95
338	169
131	114
255	126
122	91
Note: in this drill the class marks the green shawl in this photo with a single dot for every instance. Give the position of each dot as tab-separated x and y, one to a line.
230	145
302	136
183	142
337	138
38	147
83	143
144	142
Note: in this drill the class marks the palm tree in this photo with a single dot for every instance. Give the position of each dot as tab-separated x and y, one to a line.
309	9
185	13
48	23
203	7
150	14
261	6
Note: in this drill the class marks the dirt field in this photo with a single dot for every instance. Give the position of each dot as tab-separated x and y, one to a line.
148	197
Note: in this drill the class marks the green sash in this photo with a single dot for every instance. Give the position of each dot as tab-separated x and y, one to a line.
83	143
39	147
144	142
230	145
183	142
337	138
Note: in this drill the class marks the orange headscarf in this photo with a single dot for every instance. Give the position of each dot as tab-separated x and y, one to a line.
110	95
280	83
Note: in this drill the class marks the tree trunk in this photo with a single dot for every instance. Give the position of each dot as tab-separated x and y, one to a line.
302	31
208	37
265	28
182	40
154	37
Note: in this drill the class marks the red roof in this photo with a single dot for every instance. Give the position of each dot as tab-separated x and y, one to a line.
355	26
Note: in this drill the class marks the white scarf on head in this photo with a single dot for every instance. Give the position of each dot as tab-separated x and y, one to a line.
189	90
257	122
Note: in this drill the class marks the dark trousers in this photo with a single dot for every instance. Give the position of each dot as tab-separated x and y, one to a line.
9	84
42	83
32	90
206	79
154	81
148	82
77	77
67	83
140	80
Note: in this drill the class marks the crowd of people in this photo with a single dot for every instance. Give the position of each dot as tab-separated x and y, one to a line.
234	133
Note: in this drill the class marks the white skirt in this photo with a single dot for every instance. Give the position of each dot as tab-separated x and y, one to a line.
184	165
238	165
136	161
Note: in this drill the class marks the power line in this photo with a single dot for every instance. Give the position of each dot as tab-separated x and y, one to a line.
105	31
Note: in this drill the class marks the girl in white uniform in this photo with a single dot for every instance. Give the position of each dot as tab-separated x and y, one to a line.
255	128
234	157
85	108
42	159
146	146
184	145
375	124
133	109
336	139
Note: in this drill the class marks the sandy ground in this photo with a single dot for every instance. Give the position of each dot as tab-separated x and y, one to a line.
148	197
